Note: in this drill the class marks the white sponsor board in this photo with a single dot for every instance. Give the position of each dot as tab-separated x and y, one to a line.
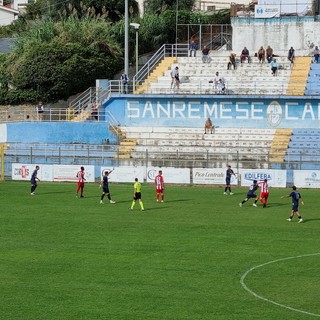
306	178
170	175
212	176
125	174
68	173
266	11
297	7
276	178
24	171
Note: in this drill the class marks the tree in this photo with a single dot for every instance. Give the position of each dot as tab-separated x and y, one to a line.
56	60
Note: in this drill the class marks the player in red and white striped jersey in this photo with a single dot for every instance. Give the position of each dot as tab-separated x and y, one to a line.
81	180
264	193
159	183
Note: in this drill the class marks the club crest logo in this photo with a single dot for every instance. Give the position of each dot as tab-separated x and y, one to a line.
274	114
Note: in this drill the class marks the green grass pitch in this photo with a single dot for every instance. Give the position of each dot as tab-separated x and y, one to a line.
187	258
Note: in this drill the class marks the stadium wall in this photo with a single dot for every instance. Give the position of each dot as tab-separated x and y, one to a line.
301	33
225	111
56	132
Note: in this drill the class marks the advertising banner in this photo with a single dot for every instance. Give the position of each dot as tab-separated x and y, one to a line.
276	178
170	175
306	178
211	176
24	171
266	11
69	173
125	174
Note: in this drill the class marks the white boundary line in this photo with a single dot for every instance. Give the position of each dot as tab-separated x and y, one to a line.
270	301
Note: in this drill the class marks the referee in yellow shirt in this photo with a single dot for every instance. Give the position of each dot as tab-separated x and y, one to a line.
137	195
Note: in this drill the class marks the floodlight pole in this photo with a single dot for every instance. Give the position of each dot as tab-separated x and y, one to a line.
126	37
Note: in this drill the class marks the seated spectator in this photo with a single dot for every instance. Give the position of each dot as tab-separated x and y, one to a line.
208	127
291	55
269	54
193	49
274	66
205	55
95	111
316	54
244	55
232	61
261	55
221	87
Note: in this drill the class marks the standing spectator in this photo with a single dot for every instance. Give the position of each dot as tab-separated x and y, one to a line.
269	54
95	111
264	193
295	196
291	55
40	110
251	194
81	180
175	80
104	184
229	173
316	54
193	48
34	179
205	55
159	183
274	66
244	55
232	62
216	80
261	55
137	195
124	83
221	87
208	127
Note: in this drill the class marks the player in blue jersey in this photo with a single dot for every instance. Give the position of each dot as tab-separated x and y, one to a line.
251	194
229	173
33	180
296	197
104	184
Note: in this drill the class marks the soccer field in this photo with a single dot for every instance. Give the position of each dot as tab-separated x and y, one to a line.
198	255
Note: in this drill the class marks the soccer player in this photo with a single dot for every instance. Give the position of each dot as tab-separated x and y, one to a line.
137	195
81	180
229	173
33	180
295	196
159	183
251	194
264	193
104	184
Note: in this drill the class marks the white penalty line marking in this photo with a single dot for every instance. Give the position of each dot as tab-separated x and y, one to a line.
271	301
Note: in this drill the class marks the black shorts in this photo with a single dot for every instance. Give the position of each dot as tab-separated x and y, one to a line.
105	189
251	195
137	196
228	181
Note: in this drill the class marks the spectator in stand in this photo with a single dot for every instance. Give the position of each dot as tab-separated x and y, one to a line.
269	53
124	83
291	55
232	61
205	55
274	66
208	127
216	80
316	54
193	49
175	82
244	55
261	55
40	110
